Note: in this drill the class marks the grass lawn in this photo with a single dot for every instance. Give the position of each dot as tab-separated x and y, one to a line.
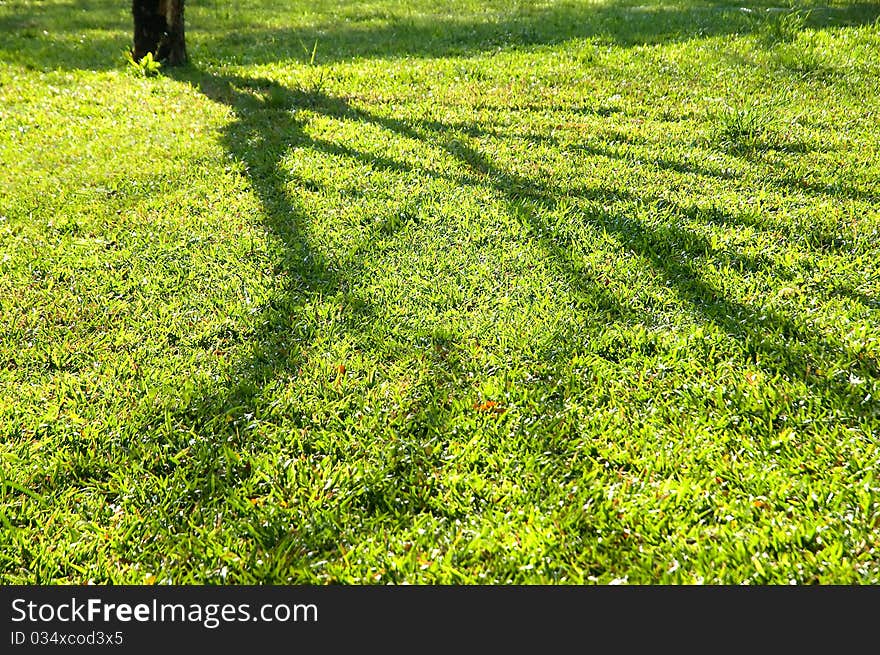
442	292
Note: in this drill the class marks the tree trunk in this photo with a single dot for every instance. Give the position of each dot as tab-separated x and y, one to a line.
176	36
158	29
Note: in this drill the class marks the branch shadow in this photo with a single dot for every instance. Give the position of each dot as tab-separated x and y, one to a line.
265	126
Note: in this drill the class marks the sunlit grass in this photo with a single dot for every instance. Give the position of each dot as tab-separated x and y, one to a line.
446	292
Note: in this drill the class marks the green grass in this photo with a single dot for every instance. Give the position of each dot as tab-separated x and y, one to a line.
442	292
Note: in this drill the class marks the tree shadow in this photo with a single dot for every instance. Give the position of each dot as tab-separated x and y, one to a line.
86	35
265	126
83	35
775	174
364	32
263	129
771	339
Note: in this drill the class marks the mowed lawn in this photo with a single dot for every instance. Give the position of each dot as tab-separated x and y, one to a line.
442	292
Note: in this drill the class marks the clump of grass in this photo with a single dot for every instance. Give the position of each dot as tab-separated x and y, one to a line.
782	26
745	128
808	61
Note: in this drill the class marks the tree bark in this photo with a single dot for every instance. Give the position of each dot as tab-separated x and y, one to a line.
159	29
176	36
